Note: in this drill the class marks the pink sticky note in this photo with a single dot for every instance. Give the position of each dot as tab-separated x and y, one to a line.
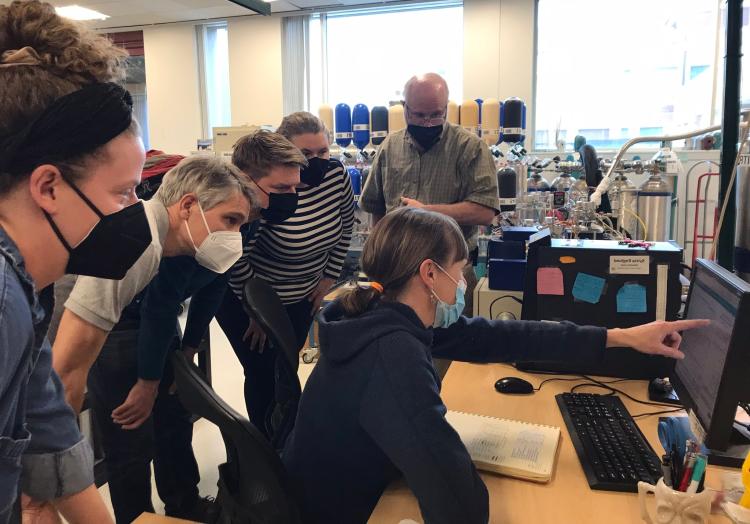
549	281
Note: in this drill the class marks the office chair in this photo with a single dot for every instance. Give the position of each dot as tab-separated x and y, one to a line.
252	482
264	306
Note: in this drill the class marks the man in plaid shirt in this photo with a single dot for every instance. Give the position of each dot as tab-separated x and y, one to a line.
435	165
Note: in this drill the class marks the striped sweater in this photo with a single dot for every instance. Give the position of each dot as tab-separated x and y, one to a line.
293	256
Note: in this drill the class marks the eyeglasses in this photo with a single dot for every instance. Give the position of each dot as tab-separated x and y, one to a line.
435	118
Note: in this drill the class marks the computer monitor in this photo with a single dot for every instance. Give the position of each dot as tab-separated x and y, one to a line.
714	377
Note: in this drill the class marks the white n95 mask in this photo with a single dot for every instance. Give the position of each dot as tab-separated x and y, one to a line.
220	250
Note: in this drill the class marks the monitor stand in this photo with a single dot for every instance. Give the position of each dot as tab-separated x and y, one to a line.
736	452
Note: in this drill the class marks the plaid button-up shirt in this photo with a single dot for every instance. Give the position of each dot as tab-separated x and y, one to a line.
459	168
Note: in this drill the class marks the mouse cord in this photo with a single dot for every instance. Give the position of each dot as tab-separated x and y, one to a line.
579	377
592	382
612	391
603	385
656	413
543	382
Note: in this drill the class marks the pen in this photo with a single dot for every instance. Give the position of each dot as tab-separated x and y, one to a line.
686	475
666	469
698	471
675	465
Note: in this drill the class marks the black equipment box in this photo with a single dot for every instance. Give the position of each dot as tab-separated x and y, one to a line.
602	283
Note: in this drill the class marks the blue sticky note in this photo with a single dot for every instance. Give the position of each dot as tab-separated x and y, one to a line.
588	288
631	298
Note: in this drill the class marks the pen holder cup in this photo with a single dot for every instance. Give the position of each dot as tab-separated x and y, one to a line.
674	507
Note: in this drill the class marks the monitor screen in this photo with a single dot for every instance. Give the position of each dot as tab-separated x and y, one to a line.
706	348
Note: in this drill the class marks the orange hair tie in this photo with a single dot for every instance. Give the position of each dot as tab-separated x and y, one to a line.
377	286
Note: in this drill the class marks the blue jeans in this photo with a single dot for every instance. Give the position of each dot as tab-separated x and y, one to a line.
165	437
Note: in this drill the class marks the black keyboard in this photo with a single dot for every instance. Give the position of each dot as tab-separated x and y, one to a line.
612	450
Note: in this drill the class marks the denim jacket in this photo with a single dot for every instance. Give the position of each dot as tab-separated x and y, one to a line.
42	451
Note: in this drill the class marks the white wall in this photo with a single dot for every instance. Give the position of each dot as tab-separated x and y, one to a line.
481	49
174	114
499	51
255	71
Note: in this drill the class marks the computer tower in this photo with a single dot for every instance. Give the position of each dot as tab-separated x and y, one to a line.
603	283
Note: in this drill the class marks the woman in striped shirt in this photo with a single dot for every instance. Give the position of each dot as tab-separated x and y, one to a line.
301	258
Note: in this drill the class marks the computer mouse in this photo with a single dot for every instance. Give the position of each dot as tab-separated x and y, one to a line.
514	386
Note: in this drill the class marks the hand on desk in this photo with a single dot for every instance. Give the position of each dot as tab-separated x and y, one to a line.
656	338
137	407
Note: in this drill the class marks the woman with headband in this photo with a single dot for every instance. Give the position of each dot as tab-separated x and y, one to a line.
70	158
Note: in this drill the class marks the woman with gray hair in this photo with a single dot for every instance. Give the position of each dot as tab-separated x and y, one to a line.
300	256
195	218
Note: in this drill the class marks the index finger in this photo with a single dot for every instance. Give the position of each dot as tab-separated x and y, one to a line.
681	325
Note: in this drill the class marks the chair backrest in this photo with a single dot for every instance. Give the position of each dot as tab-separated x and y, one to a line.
266	308
253	484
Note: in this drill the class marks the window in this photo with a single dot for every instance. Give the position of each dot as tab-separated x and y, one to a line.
213	45
135	83
347	49
623	69
135	76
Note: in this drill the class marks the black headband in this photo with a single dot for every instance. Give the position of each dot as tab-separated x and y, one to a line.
74	124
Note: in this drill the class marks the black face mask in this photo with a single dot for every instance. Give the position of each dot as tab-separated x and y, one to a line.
315	171
113	246
426	137
280	207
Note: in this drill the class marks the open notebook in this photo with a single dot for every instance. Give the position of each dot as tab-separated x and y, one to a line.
509	447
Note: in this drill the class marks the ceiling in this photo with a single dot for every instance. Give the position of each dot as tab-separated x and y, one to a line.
134	13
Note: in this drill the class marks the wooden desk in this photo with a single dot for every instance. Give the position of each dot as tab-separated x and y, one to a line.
151	518
567	499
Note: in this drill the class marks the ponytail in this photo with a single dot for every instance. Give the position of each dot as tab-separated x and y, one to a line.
360	299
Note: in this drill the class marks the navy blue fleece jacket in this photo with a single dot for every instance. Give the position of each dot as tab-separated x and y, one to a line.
371	410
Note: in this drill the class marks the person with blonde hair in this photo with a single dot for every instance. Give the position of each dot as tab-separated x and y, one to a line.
70	158
371	408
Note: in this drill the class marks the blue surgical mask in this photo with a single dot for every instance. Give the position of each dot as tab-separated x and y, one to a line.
447	314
